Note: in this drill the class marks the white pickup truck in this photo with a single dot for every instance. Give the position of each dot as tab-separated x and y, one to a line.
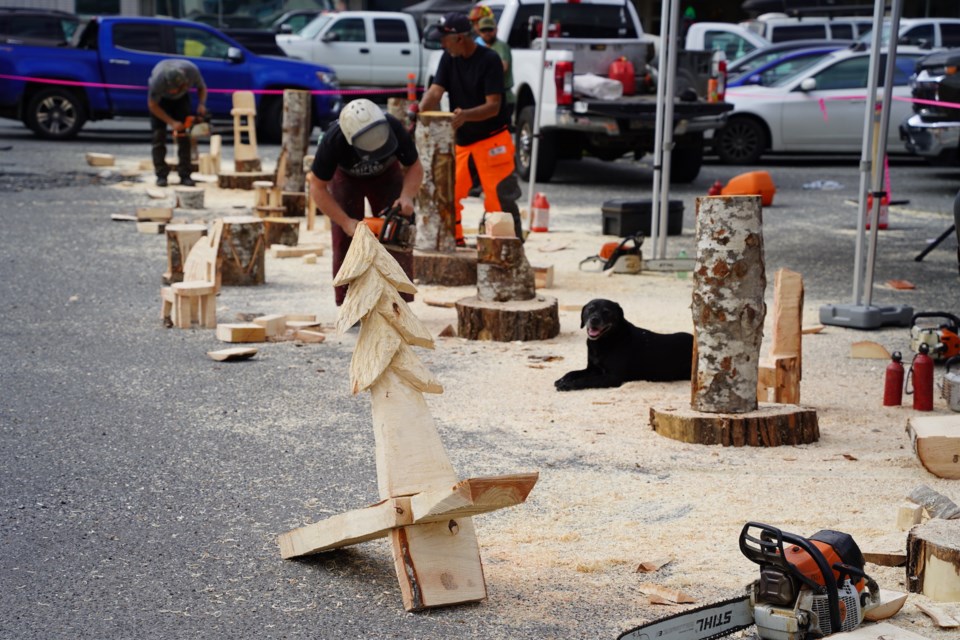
365	48
587	36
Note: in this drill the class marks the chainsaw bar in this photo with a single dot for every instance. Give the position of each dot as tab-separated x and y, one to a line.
703	623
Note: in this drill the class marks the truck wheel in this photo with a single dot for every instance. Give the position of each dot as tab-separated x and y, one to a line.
740	141
55	114
546	154
270	121
686	159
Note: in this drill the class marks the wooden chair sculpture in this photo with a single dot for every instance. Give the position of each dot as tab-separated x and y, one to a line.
195	299
780	371
244	114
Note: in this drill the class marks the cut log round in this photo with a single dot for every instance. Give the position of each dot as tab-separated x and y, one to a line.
767	426
285	231
180	239
244	166
728	304
453	269
189	197
536	319
933	560
936	441
242	250
241	180
436	207
295	202
503	273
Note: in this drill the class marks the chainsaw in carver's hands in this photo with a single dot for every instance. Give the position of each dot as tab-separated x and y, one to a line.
808	588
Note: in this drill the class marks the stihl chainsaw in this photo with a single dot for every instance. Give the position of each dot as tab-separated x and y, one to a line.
808	588
393	228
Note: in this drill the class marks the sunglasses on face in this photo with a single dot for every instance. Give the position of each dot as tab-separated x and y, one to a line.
487	30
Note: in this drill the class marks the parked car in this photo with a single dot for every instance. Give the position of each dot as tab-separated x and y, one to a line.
733	40
817	110
772	72
933	130
926	33
779	27
772	52
20	25
294	21
106	76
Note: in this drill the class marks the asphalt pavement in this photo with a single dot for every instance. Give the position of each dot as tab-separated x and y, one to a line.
143	485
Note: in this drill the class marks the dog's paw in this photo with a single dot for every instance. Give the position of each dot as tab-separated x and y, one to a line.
562	384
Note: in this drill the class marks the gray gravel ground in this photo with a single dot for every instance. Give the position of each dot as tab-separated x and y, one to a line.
143	485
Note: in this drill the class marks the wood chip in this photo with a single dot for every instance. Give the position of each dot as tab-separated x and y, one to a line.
554	246
816	328
900	284
649	566
940	617
235	353
448	332
869	350
439	303
122	217
674	596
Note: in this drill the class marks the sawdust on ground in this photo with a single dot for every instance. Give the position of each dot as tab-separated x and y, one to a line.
612	493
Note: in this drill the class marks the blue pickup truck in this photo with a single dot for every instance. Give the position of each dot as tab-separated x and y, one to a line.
55	90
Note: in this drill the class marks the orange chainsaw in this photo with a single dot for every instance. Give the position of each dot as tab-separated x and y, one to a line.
808	588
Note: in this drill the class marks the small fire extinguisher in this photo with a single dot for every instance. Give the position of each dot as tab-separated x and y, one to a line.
921	372
541	213
716	189
893	382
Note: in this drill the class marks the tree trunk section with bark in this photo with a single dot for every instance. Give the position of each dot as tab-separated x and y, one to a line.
503	273
768	426
241	180
242	250
454	269
285	231
296	133
536	319
436	215
728	303
933	560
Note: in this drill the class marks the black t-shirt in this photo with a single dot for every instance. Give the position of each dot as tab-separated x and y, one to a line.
468	82
334	151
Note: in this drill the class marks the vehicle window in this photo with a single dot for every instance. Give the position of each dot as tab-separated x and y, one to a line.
950	34
798	32
390	30
918	35
841	31
137	37
732	45
197	43
349	30
572	20
315	26
46	27
297	23
846	74
788	68
758	61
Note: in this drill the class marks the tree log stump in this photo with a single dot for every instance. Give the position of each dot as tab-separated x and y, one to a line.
242	249
454	269
436	209
180	239
536	319
728	305
503	273
933	560
241	180
296	133
295	203
285	231
189	197
767	426
247	166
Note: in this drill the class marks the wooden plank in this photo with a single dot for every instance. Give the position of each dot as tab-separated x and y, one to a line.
233	353
879	631
313	337
472	496
150	227
241	332
283	251
155	214
274	324
438	564
936	441
100	159
940	617
341	530
885	559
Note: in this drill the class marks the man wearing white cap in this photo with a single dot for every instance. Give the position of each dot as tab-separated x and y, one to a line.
365	155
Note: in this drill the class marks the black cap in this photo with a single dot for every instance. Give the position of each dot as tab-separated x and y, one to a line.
455	22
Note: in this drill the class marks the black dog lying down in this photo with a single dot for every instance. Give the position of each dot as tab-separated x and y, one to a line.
619	352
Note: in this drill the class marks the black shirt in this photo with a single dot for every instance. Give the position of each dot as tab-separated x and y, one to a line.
468	82
334	151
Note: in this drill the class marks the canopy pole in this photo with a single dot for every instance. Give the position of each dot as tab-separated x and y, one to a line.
658	133
535	151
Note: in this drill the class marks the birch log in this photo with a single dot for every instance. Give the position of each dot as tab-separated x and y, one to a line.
728	305
436	215
296	133
503	273
242	248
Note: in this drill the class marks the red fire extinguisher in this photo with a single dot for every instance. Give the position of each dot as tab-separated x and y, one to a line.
921	370
541	213
715	189
893	382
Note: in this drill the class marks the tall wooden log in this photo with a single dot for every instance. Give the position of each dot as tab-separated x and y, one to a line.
436	216
296	134
728	305
933	560
503	272
242	248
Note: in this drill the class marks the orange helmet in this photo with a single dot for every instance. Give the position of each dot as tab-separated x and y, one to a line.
480	11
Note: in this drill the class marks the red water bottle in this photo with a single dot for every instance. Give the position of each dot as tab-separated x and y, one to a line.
921	370
893	382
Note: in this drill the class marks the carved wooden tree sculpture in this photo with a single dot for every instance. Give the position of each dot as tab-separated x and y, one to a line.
425	510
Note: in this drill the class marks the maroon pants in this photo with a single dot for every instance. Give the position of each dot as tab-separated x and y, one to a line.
350	193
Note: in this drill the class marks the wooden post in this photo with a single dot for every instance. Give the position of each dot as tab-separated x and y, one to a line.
503	272
425	511
781	370
242	248
296	133
180	239
728	306
437	215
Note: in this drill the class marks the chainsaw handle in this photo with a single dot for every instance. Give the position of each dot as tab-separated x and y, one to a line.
936	314
768	549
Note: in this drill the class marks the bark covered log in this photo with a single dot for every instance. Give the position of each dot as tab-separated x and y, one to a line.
453	269
242	248
503	272
241	180
768	426
436	209
536	319
933	560
296	133
728	303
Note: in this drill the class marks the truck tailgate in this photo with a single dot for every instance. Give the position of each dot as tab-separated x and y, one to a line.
595	56
644	107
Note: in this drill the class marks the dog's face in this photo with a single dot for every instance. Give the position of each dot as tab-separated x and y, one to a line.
600	316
